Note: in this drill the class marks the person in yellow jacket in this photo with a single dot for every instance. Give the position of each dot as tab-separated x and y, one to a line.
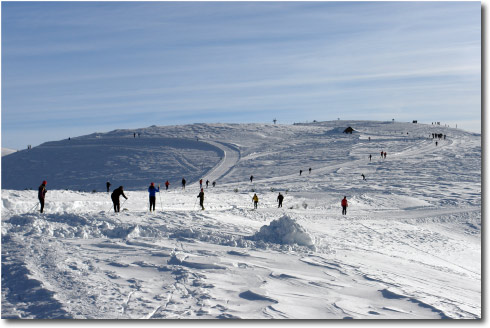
255	199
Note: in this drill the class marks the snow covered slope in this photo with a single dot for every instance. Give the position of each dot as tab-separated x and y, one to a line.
408	248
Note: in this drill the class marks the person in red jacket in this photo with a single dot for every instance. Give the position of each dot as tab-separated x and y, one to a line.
166	185
344	205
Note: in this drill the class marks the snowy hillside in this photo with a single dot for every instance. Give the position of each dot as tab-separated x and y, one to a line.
408	248
7	151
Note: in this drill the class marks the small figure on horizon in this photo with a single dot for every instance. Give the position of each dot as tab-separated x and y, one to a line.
370	157
251	178
41	195
183	183
207	183
363	177
108	185
344	205
309	170
167	184
300	171
385	154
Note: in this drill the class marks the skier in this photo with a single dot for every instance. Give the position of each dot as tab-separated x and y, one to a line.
309	170
381	154
370	157
255	200
251	178
167	184
42	194
200	184
207	184
152	190
108	185
115	198
436	143
279	199
300	171
201	199
385	154
344	205
183	183
214	183
134	135
363	177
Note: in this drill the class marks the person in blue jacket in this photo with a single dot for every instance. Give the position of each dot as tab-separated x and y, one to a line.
152	190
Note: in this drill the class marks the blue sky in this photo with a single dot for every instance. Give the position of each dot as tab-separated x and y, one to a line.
74	68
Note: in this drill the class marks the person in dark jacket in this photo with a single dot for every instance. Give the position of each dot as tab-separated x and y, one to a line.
152	190
279	199
115	198
42	194
201	199
251	178
183	183
108	185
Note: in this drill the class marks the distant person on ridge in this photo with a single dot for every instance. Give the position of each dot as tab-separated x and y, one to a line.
344	205
201	199
363	177
214	183
108	185
385	154
42	194
152	190
115	198
309	170
183	183
255	200
251	178
300	171
207	184
166	185
279	199
200	184
381	154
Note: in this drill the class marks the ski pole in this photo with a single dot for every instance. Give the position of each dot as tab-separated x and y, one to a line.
161	203
34	207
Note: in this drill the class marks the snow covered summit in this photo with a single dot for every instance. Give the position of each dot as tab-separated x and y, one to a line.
409	246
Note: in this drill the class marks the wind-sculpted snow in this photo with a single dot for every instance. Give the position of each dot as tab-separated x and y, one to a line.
284	231
409	246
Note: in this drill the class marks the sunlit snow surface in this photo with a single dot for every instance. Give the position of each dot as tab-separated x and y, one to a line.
408	248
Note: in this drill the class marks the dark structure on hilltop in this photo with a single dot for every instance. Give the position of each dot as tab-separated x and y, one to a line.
349	130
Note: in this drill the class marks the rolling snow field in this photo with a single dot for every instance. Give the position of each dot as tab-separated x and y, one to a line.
408	248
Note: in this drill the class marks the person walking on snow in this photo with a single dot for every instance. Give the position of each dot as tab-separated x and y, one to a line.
381	154
385	154
370	157
255	200
363	177
214	183
152	190
207	184
167	184
300	171
183	183
251	178
108	185
42	194
344	205
279	199
309	170
115	198
201	199
200	184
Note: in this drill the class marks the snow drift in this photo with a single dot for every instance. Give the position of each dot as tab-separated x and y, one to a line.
285	231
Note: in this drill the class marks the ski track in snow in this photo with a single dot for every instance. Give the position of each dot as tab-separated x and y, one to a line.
409	248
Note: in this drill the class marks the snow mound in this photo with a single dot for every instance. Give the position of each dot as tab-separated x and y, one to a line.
284	231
